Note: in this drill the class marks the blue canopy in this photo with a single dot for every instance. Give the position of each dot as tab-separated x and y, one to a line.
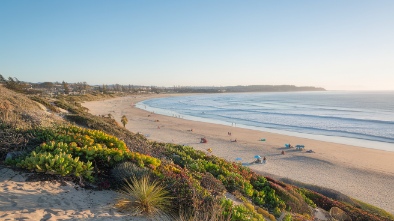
257	157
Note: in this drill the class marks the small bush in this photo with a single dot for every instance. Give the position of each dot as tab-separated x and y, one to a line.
249	206
218	210
212	184
265	213
287	217
127	170
59	163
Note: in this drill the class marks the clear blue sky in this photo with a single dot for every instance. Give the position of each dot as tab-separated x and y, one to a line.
336	44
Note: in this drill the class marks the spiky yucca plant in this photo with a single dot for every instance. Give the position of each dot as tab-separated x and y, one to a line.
143	197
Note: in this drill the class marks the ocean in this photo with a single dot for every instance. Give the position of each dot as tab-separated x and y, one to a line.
363	119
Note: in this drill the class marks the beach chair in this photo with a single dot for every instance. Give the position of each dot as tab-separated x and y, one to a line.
300	147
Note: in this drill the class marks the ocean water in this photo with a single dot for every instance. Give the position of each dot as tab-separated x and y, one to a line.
357	118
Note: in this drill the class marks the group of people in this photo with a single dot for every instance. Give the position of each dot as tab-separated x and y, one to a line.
258	160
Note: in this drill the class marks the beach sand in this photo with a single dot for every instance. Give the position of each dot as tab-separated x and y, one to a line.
361	173
51	200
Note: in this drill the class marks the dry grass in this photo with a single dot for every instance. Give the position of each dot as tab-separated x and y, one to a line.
20	111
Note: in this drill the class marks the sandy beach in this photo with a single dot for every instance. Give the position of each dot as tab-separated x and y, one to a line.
361	173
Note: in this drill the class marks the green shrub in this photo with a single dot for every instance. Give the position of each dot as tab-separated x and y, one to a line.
241	213
76	147
60	163
301	191
287	217
212	184
234	177
249	206
191	197
265	213
218	210
127	170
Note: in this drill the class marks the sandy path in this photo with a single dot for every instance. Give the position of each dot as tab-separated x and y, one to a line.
365	174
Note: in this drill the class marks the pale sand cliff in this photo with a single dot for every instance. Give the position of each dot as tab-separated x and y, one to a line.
365	174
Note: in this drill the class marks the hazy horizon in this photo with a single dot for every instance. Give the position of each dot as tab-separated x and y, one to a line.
336	45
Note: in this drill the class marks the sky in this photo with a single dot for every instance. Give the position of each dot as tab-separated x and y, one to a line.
335	44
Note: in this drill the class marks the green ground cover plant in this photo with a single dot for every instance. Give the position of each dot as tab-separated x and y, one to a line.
232	175
71	150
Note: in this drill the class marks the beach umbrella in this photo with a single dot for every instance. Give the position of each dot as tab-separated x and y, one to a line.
238	158
257	157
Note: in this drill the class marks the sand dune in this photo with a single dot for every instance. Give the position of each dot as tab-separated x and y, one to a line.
365	174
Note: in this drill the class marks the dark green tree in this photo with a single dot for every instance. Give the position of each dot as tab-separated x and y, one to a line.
124	120
2	79
66	88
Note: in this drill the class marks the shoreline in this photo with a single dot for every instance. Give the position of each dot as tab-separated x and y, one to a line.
372	144
362	173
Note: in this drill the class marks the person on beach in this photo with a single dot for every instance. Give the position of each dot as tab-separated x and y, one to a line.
264	160
283	152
